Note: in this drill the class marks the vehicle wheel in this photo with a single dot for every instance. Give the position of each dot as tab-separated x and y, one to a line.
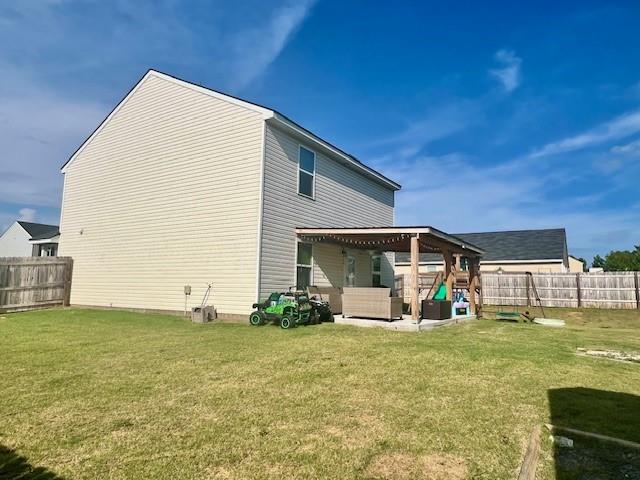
256	318
286	322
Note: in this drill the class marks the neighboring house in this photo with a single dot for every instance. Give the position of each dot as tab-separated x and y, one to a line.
576	265
182	185
27	239
511	251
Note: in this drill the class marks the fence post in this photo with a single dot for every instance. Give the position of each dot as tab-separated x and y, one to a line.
68	275
637	283
480	304
528	283
579	293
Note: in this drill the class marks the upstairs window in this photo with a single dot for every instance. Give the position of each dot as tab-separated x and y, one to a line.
306	172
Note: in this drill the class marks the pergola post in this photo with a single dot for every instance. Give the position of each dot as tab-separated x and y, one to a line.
474	267
415	284
448	272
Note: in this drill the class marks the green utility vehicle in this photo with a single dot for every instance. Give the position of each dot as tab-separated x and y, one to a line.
287	308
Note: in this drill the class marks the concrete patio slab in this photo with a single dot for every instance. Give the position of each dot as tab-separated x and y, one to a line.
404	325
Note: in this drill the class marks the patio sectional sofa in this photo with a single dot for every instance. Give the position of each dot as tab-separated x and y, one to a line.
369	302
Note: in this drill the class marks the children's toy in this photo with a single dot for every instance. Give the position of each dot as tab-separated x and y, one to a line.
290	309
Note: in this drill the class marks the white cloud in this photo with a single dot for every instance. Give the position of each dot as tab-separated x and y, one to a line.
38	131
509	73
463	196
632	148
27	214
435	124
455	193
620	127
256	48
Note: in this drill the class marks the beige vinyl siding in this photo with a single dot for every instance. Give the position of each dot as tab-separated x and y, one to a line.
575	265
166	195
328	265
343	198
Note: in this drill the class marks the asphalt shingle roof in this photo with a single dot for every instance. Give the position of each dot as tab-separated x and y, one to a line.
548	244
39	231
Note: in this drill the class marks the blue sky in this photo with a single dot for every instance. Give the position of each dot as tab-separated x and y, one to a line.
492	115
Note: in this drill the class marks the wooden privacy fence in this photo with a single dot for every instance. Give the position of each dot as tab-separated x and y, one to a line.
594	290
402	284
34	282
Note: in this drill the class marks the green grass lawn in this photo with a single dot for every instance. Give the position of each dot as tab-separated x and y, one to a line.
97	394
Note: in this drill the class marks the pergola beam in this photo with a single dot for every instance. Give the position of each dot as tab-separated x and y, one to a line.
398	237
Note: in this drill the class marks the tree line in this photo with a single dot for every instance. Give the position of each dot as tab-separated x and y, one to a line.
619	260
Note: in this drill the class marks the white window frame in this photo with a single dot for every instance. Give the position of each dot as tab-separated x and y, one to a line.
313	174
301	265
376	272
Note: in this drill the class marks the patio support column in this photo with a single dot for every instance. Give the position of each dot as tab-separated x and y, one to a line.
415	285
473	282
448	272
479	303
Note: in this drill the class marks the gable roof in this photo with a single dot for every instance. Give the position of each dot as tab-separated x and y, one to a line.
516	245
268	114
39	231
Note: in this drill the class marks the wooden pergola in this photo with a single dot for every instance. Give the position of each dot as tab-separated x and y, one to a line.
407	239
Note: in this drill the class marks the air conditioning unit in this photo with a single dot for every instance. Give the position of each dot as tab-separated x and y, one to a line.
203	314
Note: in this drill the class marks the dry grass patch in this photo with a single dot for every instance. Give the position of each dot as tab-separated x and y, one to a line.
403	466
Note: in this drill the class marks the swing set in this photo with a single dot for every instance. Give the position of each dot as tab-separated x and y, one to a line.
513	314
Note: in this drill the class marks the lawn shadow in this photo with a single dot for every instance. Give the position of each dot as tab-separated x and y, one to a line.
15	466
613	414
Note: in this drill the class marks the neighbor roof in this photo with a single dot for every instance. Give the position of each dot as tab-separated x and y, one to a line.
517	245
39	231
267	113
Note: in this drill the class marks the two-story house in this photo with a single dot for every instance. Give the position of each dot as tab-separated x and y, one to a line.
182	185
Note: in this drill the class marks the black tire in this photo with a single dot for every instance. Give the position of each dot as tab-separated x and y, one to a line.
256	318
286	322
